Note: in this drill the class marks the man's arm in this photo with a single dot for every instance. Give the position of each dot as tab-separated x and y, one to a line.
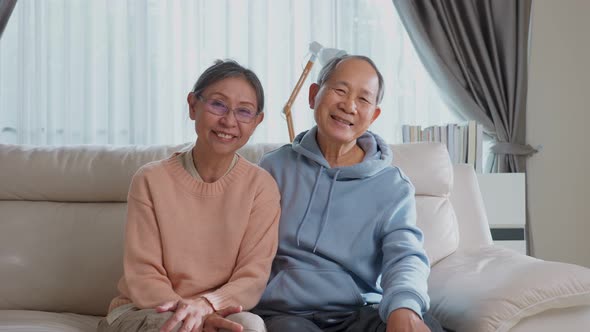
405	266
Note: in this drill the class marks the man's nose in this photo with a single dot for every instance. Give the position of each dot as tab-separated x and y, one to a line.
349	105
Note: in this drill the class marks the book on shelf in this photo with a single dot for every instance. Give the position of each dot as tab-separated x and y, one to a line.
479	148
471	132
463	141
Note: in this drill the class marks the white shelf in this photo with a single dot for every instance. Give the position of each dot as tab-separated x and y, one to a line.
504	198
519	246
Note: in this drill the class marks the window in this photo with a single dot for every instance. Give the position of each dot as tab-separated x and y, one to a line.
118	71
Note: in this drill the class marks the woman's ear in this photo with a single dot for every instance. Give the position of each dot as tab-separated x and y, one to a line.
191	100
259	118
314	88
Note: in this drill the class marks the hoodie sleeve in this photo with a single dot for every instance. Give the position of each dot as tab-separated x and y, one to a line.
405	267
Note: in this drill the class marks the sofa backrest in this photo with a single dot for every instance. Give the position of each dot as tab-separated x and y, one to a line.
429	168
63	214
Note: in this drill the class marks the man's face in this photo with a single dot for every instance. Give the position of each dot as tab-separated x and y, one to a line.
346	104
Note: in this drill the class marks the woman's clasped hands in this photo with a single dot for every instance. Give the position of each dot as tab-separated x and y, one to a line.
198	316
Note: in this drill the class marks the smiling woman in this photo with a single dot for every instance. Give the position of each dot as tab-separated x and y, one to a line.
184	263
112	72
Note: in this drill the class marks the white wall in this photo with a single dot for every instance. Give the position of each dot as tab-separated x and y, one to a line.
558	117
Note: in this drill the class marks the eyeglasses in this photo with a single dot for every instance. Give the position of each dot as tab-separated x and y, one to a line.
217	107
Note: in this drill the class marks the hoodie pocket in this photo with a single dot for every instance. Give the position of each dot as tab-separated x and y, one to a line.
305	289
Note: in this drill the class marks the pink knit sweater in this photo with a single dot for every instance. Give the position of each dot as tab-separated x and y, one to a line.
186	239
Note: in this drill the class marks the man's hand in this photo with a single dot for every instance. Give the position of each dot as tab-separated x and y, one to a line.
405	320
190	312
216	321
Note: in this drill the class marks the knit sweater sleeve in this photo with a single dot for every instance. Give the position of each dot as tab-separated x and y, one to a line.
257	250
146	281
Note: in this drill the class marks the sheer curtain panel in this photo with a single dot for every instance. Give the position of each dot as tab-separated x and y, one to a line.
118	71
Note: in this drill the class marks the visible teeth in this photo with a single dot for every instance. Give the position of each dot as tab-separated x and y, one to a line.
341	120
222	135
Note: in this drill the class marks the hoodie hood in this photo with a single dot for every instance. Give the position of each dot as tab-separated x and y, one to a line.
377	154
341	229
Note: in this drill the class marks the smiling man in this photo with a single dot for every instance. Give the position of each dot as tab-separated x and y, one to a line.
350	256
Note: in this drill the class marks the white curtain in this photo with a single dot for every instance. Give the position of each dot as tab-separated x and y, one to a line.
118	71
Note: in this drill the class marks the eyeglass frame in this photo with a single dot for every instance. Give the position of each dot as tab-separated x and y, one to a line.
207	102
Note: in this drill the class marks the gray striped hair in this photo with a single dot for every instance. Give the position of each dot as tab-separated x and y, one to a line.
223	69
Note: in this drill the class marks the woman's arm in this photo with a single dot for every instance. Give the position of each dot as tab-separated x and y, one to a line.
257	251
144	274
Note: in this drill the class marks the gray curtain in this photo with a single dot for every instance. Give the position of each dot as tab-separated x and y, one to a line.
477	53
6	7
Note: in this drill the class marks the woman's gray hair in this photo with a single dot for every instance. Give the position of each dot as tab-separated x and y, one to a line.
223	69
329	68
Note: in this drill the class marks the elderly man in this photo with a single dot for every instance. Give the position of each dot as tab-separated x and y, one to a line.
350	256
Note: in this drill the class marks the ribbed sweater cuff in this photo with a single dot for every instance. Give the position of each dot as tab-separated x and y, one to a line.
117	302
219	299
407	300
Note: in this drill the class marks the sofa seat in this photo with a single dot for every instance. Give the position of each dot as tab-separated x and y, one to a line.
33	321
492	289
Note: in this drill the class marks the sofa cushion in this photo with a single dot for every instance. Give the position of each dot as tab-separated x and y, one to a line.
492	288
428	166
430	170
83	173
73	173
38	321
60	256
437	220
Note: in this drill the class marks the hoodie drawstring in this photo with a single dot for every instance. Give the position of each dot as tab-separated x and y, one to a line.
326	212
315	187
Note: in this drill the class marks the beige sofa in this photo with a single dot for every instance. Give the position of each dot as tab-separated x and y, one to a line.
62	215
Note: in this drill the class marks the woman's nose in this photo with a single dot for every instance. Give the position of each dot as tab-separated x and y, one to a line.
229	119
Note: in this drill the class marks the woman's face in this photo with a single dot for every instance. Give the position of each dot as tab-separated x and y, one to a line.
223	135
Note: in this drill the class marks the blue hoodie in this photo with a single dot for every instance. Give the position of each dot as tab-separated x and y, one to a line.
347	235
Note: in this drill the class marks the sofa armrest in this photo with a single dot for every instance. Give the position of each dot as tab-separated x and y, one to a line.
474	230
492	288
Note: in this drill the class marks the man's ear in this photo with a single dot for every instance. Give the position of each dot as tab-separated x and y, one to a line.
191	100
314	88
376	114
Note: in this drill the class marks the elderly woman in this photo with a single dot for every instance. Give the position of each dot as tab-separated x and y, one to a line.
190	259
350	256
